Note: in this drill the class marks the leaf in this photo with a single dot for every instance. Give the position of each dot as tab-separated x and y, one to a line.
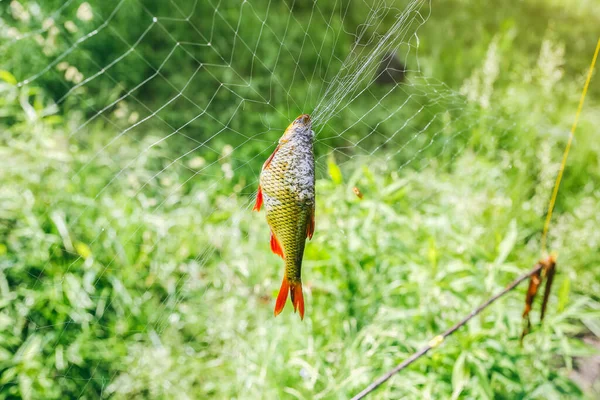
394	187
7	77
483	379
83	250
59	358
25	386
459	375
507	243
30	349
563	294
432	254
368	174
53	119
334	171
8	375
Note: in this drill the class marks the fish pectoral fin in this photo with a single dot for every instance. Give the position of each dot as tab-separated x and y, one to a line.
310	226
276	246
268	162
259	199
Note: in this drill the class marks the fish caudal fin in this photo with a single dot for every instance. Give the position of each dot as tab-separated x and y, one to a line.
259	200
297	298
275	246
295	290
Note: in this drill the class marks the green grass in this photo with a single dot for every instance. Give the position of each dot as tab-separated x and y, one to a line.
160	283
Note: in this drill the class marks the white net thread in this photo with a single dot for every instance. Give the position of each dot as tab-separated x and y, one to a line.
403	122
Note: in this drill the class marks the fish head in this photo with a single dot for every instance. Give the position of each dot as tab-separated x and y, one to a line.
300	127
304	120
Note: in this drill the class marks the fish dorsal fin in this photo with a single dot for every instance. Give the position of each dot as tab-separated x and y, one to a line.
268	162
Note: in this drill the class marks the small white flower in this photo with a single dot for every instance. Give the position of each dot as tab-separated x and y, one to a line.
227	150
18	11
78	77
53	32
48	22
70	73
133	117
70	26
84	12
228	171
196	162
13	32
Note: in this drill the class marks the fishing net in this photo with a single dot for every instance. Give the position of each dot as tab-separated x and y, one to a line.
169	110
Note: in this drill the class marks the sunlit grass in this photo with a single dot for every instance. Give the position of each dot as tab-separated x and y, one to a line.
159	283
180	300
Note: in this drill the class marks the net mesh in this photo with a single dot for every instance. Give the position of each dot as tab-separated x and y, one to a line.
221	80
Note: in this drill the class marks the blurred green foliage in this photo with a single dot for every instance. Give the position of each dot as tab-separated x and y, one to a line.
132	267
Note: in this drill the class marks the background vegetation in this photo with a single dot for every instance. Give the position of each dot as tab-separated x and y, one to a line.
132	267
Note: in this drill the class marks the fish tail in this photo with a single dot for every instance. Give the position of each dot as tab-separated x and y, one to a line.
297	298
295	291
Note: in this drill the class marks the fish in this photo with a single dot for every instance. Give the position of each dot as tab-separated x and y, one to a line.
287	190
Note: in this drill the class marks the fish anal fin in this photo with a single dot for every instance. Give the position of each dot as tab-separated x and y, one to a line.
259	199
282	296
276	246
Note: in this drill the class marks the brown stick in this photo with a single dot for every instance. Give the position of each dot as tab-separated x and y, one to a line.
549	271
534	284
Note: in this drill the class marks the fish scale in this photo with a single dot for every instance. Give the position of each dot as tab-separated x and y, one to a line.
287	188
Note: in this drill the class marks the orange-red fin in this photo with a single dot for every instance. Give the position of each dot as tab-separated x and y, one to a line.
268	162
282	296
275	246
297	298
310	227
295	290
259	200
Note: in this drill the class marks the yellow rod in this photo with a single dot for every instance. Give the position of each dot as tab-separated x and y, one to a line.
566	153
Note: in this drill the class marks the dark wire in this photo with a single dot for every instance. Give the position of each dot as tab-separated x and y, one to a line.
438	339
